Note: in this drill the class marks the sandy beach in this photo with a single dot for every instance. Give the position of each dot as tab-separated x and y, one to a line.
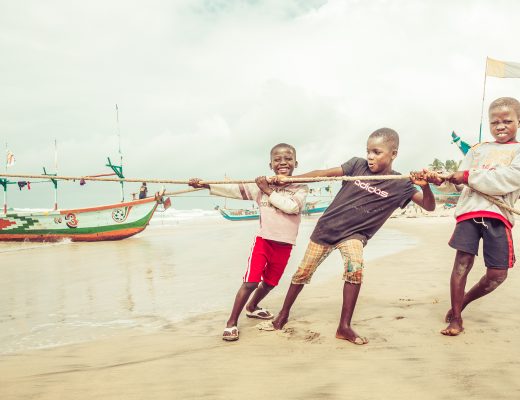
400	310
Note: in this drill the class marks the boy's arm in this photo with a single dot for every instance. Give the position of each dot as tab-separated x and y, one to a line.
336	171
498	181
289	205
235	191
424	198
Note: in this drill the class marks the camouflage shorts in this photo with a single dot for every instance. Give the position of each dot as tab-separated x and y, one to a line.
351	252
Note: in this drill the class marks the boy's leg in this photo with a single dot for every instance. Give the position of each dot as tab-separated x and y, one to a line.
314	256
277	258
490	281
252	278
345	331
240	301
283	316
259	294
461	268
352	254
498	256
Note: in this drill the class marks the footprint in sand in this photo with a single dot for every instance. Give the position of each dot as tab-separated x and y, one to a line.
304	335
291	333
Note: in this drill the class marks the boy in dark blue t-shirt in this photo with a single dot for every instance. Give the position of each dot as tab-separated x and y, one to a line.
357	212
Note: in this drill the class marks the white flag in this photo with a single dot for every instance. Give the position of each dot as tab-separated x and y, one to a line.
502	69
10	159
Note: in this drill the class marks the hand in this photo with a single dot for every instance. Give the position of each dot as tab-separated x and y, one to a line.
277	180
418	178
195	183
263	185
457	178
433	177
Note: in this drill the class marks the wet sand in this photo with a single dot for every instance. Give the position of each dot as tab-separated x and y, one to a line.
400	309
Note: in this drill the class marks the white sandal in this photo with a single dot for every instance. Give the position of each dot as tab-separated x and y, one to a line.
258	314
232	334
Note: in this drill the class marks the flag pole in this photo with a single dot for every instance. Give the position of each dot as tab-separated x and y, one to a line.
483	97
5	185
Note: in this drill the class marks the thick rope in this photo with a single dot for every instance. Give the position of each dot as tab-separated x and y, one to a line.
170	194
219	182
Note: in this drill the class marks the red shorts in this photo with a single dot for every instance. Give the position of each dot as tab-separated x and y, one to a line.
267	261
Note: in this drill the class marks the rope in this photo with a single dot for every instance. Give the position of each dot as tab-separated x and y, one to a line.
219	182
497	202
170	194
287	179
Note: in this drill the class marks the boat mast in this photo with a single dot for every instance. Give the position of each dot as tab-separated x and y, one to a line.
120	154
55	182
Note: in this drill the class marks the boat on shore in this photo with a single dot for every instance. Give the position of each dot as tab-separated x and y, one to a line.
108	222
246	214
239	214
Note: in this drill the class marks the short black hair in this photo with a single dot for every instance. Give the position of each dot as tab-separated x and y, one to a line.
510	102
389	136
283	145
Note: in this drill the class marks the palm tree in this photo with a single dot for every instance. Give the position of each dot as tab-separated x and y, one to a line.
437	165
451	165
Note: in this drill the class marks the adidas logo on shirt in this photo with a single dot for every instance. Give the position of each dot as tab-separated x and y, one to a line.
371	189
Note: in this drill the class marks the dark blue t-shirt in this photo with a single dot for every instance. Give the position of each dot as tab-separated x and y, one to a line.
361	207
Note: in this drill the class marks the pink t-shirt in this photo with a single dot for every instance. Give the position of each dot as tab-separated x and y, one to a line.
280	213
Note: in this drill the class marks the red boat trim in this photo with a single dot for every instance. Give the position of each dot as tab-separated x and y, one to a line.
117	205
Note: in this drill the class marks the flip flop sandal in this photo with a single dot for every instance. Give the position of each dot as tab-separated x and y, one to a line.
232	334
260	313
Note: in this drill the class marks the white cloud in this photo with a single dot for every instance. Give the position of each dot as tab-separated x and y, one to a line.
208	87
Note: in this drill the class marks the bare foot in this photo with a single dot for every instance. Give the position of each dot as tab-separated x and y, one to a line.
351	336
280	321
449	315
455	327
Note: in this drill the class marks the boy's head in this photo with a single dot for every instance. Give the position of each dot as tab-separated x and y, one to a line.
504	119
382	146
283	159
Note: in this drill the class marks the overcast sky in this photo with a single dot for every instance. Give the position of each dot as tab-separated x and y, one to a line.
207	87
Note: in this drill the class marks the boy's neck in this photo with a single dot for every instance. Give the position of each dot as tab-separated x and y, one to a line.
386	171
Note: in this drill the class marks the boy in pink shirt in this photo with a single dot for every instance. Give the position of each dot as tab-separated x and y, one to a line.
280	215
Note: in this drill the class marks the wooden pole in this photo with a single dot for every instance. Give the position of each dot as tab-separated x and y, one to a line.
483	97
5	186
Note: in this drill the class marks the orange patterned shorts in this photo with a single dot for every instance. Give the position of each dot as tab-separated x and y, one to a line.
351	252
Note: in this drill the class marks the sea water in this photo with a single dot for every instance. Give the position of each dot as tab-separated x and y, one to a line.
187	262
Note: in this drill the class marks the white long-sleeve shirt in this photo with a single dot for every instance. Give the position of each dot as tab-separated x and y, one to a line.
280	213
494	169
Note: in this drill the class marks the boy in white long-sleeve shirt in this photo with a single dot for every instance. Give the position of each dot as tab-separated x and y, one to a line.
492	168
280	215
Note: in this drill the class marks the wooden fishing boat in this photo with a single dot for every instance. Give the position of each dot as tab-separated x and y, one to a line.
239	214
315	207
244	214
109	222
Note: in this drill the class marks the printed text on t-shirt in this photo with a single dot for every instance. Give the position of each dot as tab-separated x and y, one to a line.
370	189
